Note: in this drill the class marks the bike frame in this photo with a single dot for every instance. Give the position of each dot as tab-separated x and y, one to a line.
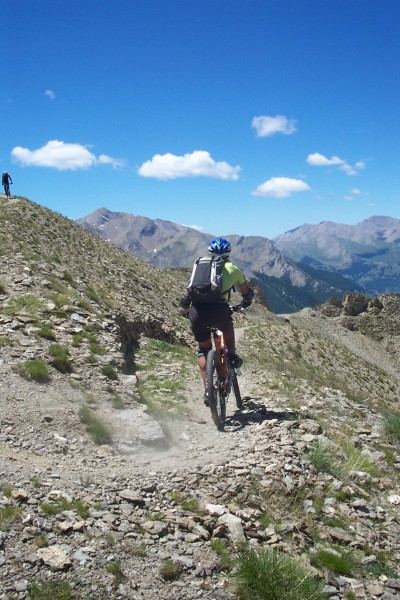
220	348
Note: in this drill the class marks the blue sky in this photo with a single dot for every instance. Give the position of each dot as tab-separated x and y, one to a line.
233	116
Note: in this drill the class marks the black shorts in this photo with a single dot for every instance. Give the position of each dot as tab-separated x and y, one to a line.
202	316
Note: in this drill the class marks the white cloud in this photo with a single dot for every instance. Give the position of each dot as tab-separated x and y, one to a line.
319	160
348	169
281	187
356	191
50	94
268	126
62	156
197	164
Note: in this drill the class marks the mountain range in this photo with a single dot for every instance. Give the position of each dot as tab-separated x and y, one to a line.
303	267
368	253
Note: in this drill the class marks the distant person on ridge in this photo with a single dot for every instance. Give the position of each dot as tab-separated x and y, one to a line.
204	313
5	182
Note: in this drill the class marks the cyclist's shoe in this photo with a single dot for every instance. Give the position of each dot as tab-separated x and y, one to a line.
235	360
206	399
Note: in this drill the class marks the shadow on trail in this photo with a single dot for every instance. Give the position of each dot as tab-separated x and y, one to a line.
254	412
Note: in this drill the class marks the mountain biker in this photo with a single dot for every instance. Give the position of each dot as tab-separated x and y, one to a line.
217	314
5	182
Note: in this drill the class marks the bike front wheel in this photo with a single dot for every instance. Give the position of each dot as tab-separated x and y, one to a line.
215	389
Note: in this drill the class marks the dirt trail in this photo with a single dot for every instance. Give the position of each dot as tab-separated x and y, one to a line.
197	439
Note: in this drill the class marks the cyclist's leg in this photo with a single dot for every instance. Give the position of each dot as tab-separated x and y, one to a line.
229	337
204	349
198	323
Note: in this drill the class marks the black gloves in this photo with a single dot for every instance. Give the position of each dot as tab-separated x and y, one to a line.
247	299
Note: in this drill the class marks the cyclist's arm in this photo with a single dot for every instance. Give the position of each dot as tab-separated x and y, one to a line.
247	293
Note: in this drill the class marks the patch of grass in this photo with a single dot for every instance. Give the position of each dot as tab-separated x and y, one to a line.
77	340
221	549
68	278
56	589
272	575
391	425
96	348
114	568
41	540
91	359
35	369
341	563
24	303
170	570
60	300
191	505
3	287
6	341
60	357
8	515
61	504
176	496
100	433
377	568
355	460
118	402
323	458
47	333
109	372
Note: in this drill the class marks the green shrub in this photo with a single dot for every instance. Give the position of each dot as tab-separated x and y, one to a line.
3	288
115	569
8	515
41	540
77	340
34	369
51	590
6	341
323	458
46	333
341	563
391	425
220	547
27	302
61	504
272	575
97	349
99	432
170	570
109	372
118	402
61	361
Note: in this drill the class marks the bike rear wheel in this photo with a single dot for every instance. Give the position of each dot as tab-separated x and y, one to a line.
236	390
215	389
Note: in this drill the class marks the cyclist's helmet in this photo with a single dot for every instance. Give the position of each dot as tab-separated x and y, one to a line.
219	246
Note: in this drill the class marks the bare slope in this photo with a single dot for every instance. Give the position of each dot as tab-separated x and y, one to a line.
115	483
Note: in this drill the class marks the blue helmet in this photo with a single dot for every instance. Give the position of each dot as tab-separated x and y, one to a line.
220	247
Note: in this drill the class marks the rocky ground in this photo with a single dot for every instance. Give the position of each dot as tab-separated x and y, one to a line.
144	498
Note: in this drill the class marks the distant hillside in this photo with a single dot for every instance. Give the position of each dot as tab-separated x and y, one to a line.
368	253
287	286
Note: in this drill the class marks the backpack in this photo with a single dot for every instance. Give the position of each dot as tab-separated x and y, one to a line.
205	282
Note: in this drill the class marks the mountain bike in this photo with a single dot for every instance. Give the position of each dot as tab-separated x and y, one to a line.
7	189
221	376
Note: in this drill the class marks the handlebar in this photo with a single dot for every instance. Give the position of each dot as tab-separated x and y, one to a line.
237	307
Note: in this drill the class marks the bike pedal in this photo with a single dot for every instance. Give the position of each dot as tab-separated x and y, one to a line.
238	371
